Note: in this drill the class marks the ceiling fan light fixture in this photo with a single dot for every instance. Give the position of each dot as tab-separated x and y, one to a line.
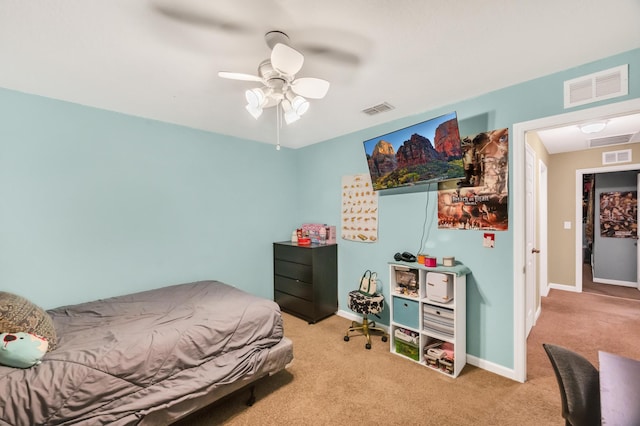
255	97
300	105
255	112
290	115
595	127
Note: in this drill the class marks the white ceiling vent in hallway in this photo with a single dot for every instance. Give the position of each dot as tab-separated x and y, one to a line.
598	86
609	140
377	109
616	157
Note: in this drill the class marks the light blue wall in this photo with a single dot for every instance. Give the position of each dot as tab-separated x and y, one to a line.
96	204
490	325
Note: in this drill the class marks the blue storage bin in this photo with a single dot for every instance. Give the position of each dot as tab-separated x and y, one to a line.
405	312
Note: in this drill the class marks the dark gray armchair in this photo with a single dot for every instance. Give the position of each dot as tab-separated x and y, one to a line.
579	384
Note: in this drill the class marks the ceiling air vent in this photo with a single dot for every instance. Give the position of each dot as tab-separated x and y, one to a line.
377	109
615	157
609	140
598	86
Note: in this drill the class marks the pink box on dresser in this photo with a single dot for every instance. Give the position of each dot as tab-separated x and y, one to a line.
314	232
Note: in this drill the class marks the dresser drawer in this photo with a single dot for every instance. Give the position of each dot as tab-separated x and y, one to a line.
294	304
406	312
293	287
295	271
292	254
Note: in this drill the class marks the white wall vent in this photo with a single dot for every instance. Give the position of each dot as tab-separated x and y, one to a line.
596	87
616	157
609	140
377	109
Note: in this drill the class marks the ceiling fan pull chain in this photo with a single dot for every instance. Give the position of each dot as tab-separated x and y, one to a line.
278	124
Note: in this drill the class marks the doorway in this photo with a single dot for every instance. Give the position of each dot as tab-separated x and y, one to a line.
519	255
597	242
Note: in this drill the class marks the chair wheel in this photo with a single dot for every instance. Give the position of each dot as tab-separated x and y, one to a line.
384	338
368	346
346	338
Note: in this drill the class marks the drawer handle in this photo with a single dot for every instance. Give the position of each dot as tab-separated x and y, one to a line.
406	306
438	312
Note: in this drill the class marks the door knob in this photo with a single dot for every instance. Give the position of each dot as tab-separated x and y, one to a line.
535	250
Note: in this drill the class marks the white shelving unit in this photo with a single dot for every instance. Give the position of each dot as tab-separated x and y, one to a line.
419	323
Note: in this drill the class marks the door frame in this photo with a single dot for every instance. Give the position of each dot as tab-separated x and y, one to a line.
519	245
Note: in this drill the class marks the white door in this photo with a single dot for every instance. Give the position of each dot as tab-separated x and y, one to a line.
530	227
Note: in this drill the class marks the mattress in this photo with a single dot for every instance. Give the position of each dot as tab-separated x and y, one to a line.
159	353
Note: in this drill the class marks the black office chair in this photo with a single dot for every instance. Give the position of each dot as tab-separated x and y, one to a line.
579	384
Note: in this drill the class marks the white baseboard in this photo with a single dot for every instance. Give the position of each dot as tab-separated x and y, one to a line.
563	287
544	291
500	370
614	282
348	315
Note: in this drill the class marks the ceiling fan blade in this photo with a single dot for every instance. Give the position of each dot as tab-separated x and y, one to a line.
286	59
239	76
202	17
309	87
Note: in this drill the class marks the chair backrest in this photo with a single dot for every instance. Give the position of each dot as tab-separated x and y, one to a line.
579	384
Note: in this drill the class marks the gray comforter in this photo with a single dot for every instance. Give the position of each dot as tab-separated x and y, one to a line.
119	359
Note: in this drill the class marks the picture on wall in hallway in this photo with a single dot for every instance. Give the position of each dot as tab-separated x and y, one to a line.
479	199
618	213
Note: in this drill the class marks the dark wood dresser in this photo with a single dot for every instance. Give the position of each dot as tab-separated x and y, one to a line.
305	279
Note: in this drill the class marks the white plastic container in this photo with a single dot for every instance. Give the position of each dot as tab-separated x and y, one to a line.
439	287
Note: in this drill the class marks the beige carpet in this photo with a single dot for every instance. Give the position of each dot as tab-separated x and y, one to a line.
334	382
585	323
588	286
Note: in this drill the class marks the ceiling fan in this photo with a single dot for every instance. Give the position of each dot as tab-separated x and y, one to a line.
279	85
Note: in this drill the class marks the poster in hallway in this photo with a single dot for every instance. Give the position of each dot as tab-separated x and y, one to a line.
618	214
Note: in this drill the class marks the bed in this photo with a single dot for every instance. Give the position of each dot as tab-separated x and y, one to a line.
147	358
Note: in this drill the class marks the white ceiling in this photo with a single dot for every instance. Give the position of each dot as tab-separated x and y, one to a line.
159	58
571	138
